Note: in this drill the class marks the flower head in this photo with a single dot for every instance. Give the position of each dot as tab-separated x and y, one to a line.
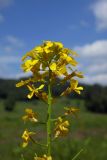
30	115
34	90
73	87
26	137
70	110
61	127
50	57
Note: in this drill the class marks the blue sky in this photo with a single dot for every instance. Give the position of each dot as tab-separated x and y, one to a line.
79	24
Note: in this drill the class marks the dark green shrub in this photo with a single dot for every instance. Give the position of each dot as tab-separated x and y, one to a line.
96	99
9	103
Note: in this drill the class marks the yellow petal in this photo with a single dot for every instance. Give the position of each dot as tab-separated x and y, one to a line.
53	66
80	88
30	88
25	118
24	144
30	95
73	83
40	87
19	84
66	123
60	45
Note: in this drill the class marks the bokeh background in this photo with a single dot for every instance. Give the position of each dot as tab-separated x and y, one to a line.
80	25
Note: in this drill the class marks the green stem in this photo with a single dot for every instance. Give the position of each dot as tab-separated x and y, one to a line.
49	119
77	154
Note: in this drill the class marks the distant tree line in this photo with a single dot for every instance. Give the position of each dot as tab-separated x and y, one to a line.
95	96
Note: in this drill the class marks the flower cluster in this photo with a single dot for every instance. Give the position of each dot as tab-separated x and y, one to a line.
30	115
61	128
47	62
26	137
54	58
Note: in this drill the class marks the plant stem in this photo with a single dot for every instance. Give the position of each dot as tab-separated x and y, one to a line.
49	119
77	154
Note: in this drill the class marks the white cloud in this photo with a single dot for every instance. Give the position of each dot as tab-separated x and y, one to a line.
14	41
95	68
99	9
99	79
11	48
5	3
1	18
97	48
22	74
11	45
93	57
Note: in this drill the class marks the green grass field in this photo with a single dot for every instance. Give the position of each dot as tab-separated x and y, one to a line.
88	132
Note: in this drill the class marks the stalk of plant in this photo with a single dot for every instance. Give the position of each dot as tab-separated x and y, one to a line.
49	118
48	62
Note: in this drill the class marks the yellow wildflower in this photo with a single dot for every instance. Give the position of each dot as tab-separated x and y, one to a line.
51	56
33	90
43	96
61	127
71	110
53	66
60	45
22	83
74	74
73	87
39	49
48	43
26	137
68	59
45	157
30	115
28	65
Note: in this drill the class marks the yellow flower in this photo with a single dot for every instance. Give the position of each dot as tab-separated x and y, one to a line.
48	43
53	66
61	127
73	87
60	45
71	110
39	49
43	96
30	115
45	157
73	74
51	56
26	137
28	65
33	90
68	59
22	83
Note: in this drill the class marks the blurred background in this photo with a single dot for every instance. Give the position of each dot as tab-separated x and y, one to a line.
79	25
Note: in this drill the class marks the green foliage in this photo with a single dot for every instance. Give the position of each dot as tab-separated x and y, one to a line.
95	96
96	99
9	103
88	131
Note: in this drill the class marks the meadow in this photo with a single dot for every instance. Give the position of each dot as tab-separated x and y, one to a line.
88	131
